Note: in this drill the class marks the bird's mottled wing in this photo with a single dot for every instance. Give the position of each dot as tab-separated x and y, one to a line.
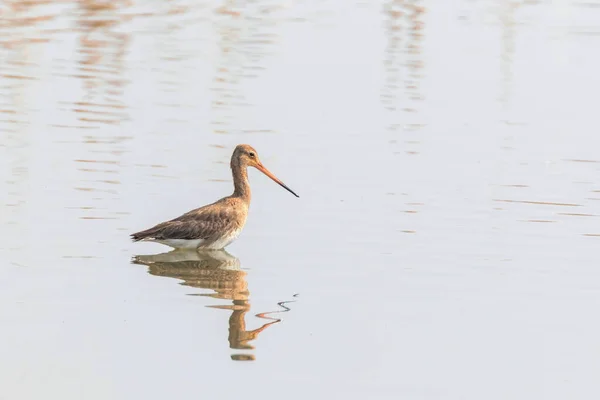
207	224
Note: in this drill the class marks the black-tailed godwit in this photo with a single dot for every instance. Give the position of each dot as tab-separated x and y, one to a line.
216	225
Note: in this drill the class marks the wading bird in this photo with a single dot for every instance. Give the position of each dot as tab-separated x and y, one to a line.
216	225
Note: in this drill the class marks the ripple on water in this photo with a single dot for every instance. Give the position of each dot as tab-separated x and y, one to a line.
545	203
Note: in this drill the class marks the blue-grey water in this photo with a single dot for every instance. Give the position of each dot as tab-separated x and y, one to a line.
444	245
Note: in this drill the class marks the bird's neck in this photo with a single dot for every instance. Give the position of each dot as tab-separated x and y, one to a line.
240	182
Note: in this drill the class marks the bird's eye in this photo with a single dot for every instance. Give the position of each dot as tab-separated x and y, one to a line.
251	154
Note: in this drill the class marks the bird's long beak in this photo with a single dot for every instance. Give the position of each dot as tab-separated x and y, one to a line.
268	173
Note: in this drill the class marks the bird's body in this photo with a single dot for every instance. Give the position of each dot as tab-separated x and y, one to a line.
211	227
216	225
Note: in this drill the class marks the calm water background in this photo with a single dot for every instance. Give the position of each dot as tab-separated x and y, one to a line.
445	244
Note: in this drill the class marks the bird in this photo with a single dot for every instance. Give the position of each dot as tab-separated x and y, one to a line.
216	225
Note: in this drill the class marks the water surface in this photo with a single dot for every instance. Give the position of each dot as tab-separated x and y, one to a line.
444	245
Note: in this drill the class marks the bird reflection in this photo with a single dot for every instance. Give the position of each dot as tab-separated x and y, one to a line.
220	272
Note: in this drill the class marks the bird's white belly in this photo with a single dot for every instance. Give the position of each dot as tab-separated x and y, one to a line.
181	243
224	241
219	244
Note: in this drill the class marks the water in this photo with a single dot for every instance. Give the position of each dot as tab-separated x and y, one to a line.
444	245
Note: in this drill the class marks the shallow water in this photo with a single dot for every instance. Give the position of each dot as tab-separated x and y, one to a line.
444	245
